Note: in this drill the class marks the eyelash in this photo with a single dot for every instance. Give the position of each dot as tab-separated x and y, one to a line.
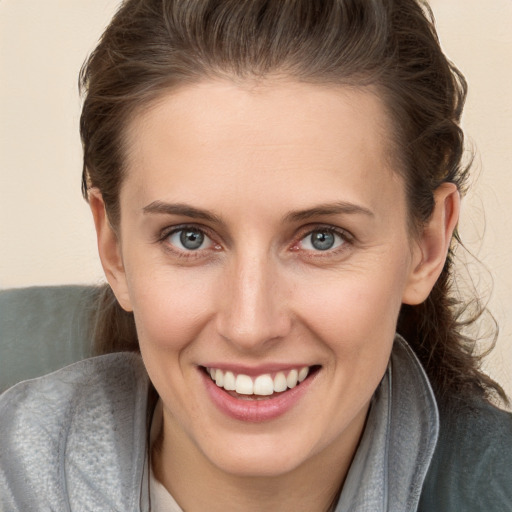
306	231
346	237
163	239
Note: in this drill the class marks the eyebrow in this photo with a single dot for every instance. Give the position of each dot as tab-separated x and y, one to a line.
160	207
338	208
181	209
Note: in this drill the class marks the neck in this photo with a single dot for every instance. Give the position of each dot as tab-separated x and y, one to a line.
197	484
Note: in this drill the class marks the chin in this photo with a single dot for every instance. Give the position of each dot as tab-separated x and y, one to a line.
258	462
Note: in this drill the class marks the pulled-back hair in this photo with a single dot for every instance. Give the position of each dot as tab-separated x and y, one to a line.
153	46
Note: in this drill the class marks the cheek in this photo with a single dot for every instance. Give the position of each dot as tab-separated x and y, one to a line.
170	305
354	311
171	308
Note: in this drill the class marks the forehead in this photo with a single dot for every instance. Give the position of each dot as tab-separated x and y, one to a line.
269	137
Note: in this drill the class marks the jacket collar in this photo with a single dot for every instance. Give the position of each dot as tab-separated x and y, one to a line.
400	436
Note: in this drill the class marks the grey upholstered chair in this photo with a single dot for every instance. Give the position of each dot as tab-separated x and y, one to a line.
43	329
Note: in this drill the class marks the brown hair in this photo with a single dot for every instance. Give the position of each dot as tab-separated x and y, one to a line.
152	46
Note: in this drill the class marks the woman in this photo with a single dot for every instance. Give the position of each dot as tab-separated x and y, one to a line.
275	188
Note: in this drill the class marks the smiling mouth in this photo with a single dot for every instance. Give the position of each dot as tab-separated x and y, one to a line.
261	387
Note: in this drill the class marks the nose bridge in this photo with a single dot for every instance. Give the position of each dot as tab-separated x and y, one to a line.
254	311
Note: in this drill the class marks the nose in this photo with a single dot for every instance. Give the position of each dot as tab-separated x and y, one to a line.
253	312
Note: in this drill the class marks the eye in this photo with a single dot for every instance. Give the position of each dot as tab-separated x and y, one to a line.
322	240
189	239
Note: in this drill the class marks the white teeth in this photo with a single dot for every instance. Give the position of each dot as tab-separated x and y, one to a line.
263	385
303	373
280	382
229	381
291	380
244	385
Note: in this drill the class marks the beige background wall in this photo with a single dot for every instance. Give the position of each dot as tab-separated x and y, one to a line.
46	236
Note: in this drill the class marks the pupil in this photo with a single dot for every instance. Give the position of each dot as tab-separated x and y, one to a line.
191	239
322	240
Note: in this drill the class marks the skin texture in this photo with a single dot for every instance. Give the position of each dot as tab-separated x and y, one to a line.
257	292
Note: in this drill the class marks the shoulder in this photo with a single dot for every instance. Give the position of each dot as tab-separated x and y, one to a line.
470	469
70	434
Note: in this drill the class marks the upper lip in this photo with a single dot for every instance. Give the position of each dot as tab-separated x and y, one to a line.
254	371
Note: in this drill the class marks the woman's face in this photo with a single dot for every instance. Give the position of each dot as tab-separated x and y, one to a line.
263	231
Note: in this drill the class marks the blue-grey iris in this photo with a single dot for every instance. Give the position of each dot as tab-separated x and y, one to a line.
191	239
322	240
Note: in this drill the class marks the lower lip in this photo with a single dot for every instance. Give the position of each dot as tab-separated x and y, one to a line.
255	411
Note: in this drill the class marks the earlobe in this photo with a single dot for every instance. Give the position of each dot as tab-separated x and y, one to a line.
431	249
109	249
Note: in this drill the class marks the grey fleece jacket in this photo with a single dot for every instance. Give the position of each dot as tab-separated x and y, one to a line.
75	440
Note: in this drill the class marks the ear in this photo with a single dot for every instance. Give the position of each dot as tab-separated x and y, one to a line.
109	250
431	249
